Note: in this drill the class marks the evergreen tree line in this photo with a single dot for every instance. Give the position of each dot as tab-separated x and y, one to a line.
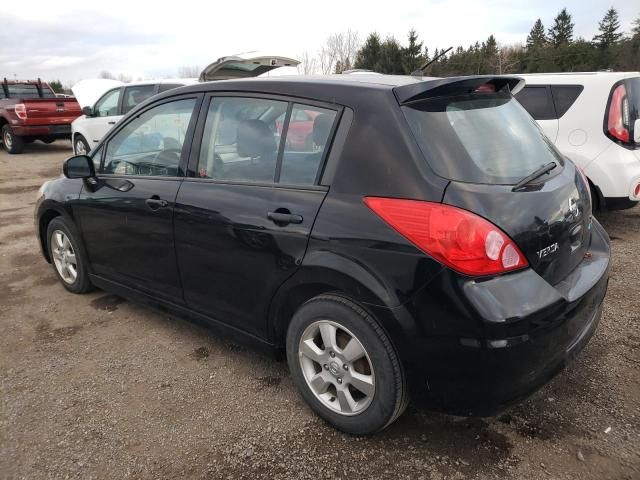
546	50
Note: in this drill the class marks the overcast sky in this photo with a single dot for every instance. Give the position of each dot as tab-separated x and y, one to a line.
72	40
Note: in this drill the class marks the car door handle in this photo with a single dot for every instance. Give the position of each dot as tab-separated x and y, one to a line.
154	203
284	218
111	123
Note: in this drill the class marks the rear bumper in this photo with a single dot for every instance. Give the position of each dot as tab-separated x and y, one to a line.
478	347
52	131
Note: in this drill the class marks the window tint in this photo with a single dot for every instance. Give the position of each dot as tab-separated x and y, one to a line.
151	143
135	95
241	139
537	101
107	106
564	96
168	86
479	139
307	137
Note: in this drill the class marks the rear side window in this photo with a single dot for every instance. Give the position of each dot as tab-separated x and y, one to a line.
241	139
564	96
307	137
256	140
479	138
537	101
134	96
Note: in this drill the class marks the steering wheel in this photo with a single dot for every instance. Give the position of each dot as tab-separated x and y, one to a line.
164	154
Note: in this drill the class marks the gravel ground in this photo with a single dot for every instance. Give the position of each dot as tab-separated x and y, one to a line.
93	386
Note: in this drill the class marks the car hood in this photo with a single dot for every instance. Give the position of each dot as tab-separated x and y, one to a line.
237	67
87	92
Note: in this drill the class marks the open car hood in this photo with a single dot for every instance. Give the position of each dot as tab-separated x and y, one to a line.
235	67
87	92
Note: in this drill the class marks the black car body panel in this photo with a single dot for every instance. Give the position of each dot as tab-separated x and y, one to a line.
472	344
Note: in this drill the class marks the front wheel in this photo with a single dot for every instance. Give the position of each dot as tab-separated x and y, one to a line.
13	143
80	145
67	258
345	366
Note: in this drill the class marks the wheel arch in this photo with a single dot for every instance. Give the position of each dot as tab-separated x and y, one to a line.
46	213
309	282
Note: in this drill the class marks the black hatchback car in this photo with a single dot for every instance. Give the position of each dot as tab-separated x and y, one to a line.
382	231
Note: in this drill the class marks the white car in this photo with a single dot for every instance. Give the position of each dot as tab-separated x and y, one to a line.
105	102
593	119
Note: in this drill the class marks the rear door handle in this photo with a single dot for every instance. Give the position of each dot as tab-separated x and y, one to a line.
154	203
284	218
111	123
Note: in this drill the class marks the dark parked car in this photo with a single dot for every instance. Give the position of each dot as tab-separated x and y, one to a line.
429	235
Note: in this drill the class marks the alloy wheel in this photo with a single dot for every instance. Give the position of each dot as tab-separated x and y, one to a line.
7	140
336	367
80	148
64	257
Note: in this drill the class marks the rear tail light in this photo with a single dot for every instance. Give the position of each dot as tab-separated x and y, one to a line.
486	88
618	117
457	238
586	182
636	192
21	111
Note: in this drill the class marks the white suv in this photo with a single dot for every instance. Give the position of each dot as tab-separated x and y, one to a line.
594	119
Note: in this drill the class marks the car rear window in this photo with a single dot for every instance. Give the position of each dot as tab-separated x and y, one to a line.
28	90
483	138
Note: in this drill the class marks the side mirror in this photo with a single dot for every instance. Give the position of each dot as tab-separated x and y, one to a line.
80	166
88	111
636	130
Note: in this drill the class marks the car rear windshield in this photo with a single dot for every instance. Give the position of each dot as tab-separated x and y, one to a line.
482	138
28	90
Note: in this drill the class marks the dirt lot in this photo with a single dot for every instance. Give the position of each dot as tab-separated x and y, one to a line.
95	387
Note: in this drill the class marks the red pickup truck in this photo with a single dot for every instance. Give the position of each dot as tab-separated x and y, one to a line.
30	110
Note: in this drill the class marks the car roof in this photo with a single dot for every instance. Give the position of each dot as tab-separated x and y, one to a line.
572	78
184	81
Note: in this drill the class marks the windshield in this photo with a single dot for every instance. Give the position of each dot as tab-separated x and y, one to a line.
485	138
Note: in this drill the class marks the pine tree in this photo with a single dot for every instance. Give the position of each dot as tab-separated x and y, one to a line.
609	26
368	57
412	54
537	37
636	27
562	30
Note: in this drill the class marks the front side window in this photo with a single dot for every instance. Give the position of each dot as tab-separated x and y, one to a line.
135	95
308	134
241	139
151	143
479	138
107	106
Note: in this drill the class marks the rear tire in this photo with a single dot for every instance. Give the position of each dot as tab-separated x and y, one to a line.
67	257
12	143
80	145
354	380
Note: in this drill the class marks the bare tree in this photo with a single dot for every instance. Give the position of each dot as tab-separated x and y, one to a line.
124	78
189	71
107	74
343	48
508	59
308	64
326	59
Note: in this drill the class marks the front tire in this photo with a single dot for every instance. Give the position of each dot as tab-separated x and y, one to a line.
12	143
80	145
345	366
67	258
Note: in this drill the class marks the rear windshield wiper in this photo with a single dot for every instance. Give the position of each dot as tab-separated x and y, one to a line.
533	176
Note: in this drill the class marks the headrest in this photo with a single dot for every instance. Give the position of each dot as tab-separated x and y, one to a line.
255	139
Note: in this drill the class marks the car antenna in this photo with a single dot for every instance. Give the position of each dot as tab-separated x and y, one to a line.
421	71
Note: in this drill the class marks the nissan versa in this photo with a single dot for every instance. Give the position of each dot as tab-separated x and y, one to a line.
416	233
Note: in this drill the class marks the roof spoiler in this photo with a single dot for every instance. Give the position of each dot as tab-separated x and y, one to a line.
444	87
